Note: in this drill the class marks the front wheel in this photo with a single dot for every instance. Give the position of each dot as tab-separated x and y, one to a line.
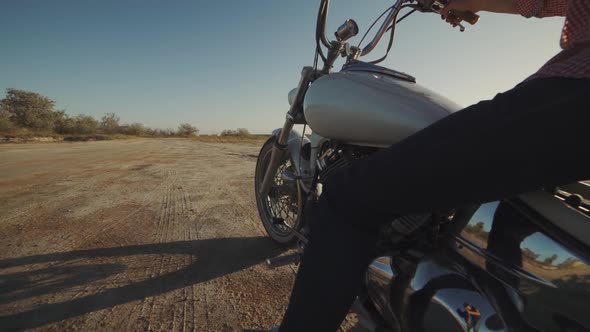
283	204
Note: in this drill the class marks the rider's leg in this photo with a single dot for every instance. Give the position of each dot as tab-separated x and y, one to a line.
533	135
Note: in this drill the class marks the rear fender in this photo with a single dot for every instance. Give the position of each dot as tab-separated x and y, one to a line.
301	163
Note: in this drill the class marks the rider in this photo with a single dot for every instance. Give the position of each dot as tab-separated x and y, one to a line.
534	135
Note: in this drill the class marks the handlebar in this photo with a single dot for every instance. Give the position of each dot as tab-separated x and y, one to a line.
468	17
386	23
321	24
424	5
437	5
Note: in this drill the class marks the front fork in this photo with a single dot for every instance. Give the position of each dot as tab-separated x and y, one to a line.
279	148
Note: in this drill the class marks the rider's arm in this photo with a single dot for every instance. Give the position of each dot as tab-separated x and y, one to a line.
527	8
541	8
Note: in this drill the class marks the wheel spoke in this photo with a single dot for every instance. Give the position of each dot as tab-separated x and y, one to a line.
281	203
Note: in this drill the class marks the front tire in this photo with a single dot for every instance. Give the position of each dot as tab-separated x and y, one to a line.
284	200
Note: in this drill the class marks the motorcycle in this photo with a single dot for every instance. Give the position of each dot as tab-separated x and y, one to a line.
522	263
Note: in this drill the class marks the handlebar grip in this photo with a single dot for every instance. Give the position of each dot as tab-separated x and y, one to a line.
468	17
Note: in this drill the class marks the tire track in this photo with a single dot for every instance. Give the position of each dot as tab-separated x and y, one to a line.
192	229
147	306
92	233
114	225
61	195
149	271
161	232
172	225
193	192
188	261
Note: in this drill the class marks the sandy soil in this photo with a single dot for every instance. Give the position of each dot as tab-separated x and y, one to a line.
141	235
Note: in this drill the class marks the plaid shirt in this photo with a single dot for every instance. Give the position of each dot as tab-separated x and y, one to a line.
574	60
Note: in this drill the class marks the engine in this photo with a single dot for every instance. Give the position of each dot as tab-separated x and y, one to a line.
334	156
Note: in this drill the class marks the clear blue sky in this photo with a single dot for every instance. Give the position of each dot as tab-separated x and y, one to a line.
229	64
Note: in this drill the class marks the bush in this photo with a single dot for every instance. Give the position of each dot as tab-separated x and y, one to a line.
62	123
160	132
136	129
167	132
186	129
6	124
237	132
85	124
110	123
26	113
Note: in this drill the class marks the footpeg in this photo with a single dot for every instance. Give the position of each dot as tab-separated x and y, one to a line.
279	261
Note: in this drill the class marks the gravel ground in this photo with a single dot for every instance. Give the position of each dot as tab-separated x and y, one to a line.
135	235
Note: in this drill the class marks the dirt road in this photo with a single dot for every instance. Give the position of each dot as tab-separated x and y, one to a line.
152	234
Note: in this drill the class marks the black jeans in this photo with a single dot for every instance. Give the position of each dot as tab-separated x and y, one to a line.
534	135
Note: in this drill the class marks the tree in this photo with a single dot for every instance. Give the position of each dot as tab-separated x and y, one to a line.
5	122
549	260
110	123
28	109
186	129
529	254
85	124
62	123
478	228
136	129
169	132
243	132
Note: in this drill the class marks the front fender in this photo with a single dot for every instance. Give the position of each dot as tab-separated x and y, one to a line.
300	162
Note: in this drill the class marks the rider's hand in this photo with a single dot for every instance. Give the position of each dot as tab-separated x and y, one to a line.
460	6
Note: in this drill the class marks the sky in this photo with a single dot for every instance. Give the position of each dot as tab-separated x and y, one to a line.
230	64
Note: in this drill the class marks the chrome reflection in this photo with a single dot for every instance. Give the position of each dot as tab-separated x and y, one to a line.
382	267
442	297
379	278
552	278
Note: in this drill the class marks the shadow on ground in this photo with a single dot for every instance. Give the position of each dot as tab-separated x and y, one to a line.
213	258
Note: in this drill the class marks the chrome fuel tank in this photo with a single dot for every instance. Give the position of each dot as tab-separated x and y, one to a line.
370	108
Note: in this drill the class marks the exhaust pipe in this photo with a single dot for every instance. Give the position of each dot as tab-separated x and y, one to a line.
273	263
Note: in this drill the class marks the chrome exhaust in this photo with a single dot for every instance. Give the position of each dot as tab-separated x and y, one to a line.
273	263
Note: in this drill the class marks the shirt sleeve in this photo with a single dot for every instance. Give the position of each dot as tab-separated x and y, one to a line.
541	8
